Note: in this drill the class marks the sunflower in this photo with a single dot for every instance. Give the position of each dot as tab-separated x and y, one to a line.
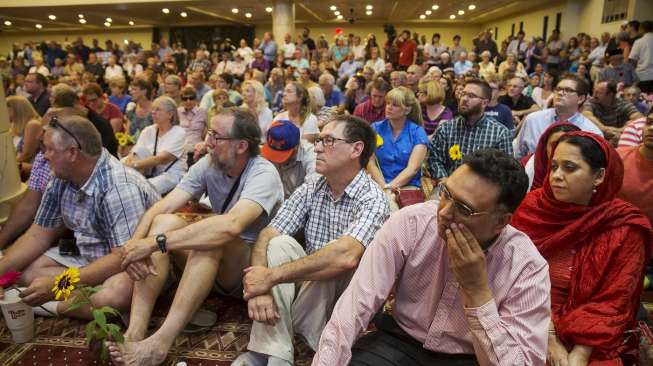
64	284
455	153
379	141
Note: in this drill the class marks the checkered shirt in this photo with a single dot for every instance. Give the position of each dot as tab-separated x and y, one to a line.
40	174
359	213
104	212
485	133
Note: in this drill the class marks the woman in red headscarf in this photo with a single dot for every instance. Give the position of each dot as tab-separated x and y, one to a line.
537	164
596	246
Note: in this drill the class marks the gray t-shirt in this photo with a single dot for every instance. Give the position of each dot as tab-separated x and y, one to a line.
259	182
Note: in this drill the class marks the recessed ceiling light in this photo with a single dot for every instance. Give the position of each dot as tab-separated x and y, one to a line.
428	12
435	7
422	16
52	17
38	26
248	15
461	12
80	15
336	12
125	41
131	22
452	16
268	9
7	23
165	11
234	10
109	20
333	7
183	14
369	12
107	24
369	7
83	21
471	7
339	17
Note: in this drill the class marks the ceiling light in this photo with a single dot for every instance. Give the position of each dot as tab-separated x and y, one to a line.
452	16
165	11
333	8
107	24
461	12
248	15
7	23
183	14
268	9
422	16
131	22
428	12
83	21
52	17
369	12
369	7
435	7
234	10
471	7
38	26
80	15
109	20
125	41
339	17
336	12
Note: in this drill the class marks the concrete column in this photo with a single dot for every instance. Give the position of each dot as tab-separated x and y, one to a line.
283	19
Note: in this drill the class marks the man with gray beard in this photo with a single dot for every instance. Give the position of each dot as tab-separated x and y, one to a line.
245	192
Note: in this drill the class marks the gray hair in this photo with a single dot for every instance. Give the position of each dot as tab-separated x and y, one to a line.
171	106
328	78
84	131
173	79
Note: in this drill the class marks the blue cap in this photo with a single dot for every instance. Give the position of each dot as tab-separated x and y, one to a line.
282	137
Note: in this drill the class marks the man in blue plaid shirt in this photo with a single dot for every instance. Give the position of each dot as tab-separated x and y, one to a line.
97	198
291	289
470	131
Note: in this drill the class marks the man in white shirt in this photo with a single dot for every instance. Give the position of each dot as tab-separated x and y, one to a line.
597	56
518	46
641	56
112	70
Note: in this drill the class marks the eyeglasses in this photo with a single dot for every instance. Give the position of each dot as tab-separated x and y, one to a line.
54	123
467	95
462	208
186	99
328	141
213	134
565	91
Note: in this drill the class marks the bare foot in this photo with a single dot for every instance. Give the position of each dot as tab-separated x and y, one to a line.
116	353
143	353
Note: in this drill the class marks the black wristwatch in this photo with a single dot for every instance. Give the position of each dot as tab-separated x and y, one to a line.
161	242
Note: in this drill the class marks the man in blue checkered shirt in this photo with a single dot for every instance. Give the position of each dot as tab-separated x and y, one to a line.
291	289
97	198
470	131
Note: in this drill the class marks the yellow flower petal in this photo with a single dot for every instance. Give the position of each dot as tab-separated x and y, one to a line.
379	140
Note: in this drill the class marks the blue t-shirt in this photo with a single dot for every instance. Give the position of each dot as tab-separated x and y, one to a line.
393	154
502	114
120	102
335	99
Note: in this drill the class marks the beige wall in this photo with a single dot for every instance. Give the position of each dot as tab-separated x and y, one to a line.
142	36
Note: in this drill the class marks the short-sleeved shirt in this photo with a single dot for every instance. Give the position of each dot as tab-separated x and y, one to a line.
299	169
523	102
394	153
40	174
642	52
334	99
172	142
259	183
194	122
111	111
407	51
501	113
616	115
638	180
308	128
104	212
359	213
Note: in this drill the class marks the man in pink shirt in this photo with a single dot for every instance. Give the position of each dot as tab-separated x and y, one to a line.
469	288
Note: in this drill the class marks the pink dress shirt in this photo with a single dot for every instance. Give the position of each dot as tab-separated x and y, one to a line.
511	329
194	122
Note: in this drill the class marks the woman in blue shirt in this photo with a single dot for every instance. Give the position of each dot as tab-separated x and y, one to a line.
401	144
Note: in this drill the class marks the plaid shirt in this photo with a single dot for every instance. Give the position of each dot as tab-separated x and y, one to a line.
104	212
359	213
485	133
367	112
40	174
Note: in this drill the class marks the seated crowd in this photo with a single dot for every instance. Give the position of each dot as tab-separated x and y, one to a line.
487	206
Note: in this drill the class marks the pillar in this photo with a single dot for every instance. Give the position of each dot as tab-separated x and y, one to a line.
283	19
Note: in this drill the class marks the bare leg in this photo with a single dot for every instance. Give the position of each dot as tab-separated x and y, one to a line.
42	266
116	293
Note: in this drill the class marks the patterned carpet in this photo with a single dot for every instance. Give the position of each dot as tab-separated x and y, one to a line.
60	342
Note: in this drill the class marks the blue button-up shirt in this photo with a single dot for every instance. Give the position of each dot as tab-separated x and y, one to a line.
394	153
269	50
104	212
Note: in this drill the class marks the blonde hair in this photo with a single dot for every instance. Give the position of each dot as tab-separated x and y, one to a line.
433	90
259	96
23	112
405	98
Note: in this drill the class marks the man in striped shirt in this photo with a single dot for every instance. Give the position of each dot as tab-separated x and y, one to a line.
469	288
470	131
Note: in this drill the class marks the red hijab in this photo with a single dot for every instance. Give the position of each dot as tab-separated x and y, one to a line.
541	163
612	240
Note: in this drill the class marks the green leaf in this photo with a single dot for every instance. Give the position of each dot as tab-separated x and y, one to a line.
94	290
109	310
100	318
100	334
90	329
115	333
105	353
74	306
